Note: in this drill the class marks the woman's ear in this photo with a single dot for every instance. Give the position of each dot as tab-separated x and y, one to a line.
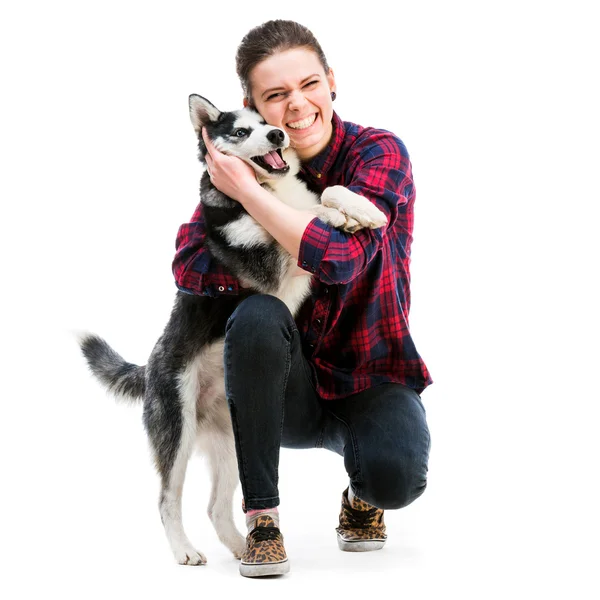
248	103
331	80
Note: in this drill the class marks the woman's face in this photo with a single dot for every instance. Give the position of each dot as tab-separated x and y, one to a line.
291	91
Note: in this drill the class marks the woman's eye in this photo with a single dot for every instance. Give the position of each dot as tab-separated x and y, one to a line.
283	93
241	132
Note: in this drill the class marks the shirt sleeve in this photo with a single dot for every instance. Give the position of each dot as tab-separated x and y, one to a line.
383	175
194	268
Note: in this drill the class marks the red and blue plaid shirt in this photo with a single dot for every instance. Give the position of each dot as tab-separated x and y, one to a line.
354	328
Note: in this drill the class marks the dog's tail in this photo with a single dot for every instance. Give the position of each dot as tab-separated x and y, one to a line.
125	380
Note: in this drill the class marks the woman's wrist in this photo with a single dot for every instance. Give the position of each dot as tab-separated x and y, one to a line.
250	193
285	223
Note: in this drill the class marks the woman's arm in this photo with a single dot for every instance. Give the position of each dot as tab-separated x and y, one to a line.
285	223
382	174
237	180
194	269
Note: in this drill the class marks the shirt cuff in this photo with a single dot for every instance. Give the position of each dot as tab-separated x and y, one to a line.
216	279
313	245
221	289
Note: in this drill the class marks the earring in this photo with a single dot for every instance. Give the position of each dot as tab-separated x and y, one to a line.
333	96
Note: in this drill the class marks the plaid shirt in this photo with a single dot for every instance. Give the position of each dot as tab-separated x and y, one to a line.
354	328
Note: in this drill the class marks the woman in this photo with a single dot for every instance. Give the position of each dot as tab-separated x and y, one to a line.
345	375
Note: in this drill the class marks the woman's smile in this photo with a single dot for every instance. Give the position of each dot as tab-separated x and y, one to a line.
302	124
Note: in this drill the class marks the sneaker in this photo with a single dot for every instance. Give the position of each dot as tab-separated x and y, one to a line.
264	554
361	526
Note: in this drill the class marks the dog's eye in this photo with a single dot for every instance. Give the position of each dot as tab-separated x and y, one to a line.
240	132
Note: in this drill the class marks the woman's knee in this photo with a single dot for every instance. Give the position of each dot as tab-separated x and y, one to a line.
392	482
257	351
258	318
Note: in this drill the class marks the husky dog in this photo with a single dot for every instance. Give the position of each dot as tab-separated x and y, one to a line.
182	386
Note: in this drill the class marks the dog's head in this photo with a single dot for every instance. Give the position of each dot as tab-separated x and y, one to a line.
245	134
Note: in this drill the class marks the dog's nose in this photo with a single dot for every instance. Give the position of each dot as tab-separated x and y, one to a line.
276	136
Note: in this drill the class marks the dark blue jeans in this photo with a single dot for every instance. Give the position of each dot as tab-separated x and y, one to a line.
381	432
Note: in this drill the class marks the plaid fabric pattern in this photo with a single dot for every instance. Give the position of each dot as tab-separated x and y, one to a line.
355	326
195	270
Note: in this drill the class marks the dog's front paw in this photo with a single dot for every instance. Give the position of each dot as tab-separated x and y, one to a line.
352	225
189	556
331	216
353	205
337	219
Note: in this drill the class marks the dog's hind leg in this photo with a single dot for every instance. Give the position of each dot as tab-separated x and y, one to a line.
170	419
170	506
219	446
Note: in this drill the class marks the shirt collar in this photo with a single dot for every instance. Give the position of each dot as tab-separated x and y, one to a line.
320	164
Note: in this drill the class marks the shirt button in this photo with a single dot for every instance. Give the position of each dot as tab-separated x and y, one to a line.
221	288
318	321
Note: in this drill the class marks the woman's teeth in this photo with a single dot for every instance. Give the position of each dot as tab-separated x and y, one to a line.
304	123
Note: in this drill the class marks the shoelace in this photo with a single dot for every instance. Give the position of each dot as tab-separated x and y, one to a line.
264	534
359	519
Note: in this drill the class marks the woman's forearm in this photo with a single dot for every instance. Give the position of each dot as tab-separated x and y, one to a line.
284	223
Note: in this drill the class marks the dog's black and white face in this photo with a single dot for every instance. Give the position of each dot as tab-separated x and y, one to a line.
242	133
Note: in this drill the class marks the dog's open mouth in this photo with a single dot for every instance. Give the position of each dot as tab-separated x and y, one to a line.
272	162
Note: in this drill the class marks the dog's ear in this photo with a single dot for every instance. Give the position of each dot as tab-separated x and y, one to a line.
202	112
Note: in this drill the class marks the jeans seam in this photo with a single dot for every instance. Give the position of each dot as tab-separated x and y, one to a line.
306	368
354	446
327	414
320	438
288	362
233	413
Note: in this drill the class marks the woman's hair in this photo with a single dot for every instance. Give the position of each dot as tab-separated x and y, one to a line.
268	39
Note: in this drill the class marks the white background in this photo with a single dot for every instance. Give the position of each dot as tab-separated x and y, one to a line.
498	105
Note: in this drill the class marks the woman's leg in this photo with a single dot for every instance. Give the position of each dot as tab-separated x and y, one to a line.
383	436
269	392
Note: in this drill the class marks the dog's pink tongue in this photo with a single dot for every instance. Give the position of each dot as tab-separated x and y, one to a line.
274	160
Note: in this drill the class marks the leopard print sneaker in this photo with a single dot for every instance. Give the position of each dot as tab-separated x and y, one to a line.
264	554
361	526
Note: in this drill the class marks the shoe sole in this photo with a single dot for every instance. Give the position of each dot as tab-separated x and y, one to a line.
261	570
360	545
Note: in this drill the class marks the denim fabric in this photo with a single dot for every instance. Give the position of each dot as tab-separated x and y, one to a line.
381	432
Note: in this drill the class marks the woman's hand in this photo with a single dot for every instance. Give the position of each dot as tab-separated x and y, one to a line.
229	174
